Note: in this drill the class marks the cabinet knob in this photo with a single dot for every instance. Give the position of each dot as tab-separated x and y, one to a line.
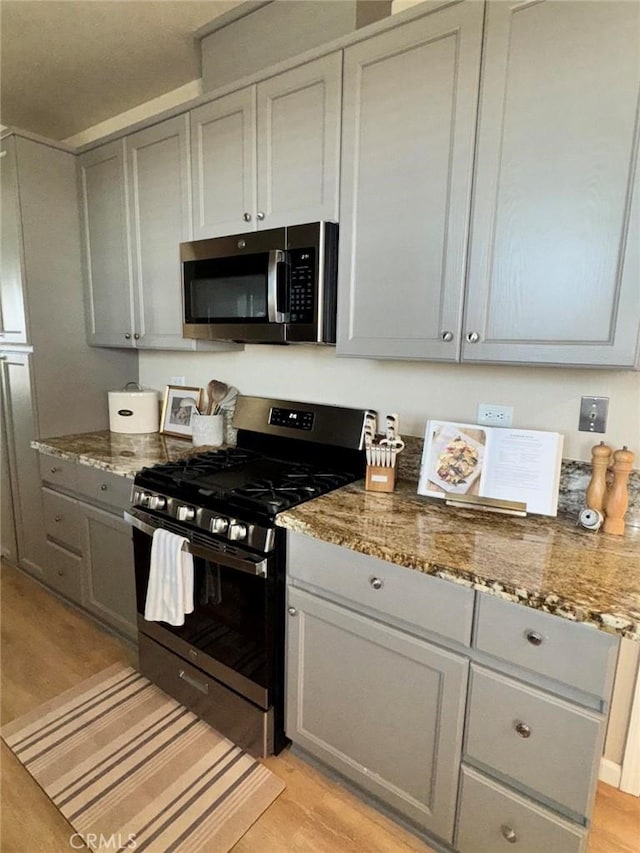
523	729
260	215
376	583
60	573
534	638
103	487
136	336
473	337
447	336
246	217
127	336
292	611
509	833
54	470
57	518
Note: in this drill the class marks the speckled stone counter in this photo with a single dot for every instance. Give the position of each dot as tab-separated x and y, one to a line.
116	452
549	564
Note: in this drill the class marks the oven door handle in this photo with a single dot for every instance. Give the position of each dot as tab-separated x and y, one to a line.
249	565
276	287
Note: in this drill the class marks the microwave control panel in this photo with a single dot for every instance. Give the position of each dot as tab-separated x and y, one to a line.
302	285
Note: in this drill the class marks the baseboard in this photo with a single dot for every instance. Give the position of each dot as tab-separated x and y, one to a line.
610	772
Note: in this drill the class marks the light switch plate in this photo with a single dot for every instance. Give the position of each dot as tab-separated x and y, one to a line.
593	414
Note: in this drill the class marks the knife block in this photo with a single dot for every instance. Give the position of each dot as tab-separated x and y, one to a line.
380	478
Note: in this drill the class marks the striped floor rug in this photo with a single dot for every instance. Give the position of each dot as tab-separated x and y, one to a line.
132	769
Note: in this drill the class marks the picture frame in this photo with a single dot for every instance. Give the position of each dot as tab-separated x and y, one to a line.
178	405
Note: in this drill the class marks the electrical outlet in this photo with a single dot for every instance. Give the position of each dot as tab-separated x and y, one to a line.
490	415
177	380
593	414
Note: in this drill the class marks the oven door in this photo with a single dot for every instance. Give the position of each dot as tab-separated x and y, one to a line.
231	633
231	294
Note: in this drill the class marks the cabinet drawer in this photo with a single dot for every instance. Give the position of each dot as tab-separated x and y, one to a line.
61	519
494	819
63	571
384	589
541	742
58	472
573	654
103	487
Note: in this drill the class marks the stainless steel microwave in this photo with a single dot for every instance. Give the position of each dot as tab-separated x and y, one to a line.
274	286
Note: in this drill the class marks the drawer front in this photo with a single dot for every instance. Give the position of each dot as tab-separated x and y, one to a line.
58	472
493	819
543	743
103	487
382	588
61	519
64	571
573	654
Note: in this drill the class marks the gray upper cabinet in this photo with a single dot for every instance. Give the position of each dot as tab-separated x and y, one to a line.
223	156
103	205
299	144
409	112
160	211
268	155
554	272
13	319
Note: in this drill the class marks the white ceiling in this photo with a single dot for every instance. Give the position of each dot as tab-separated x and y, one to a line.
66	65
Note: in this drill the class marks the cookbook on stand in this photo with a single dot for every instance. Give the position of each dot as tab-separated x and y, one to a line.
498	463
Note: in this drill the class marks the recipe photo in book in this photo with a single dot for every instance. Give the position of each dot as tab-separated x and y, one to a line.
492	462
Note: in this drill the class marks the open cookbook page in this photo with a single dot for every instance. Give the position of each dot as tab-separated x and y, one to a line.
493	462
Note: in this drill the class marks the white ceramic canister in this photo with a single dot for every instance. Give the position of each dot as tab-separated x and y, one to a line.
207	430
134	411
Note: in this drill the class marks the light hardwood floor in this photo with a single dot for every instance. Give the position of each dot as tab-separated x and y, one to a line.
48	647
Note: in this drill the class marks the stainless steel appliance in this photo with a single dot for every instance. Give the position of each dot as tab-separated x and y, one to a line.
227	661
274	286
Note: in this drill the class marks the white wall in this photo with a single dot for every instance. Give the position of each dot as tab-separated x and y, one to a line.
542	397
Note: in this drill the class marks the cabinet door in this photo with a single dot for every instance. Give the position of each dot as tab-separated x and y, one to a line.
160	206
299	144
409	113
110	580
554	273
104	218
382	707
13	321
223	158
21	460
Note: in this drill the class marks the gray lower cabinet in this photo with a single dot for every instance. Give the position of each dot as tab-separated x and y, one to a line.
382	707
89	556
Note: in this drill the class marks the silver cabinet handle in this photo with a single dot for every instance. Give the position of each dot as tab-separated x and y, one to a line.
376	583
246	217
127	336
534	638
473	337
203	687
54	470
136	336
523	729
447	336
260	215
292	611
57	518
509	833
103	487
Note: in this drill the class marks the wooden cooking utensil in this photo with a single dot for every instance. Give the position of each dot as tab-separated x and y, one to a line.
597	490
216	392
618	498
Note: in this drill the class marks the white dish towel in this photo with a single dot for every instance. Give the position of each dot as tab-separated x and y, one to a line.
170	589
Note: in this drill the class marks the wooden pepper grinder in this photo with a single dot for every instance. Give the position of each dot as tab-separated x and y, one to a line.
618	498
597	491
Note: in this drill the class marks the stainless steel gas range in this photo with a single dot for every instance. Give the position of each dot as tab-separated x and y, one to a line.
226	662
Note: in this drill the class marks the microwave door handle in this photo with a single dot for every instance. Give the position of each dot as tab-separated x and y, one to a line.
277	268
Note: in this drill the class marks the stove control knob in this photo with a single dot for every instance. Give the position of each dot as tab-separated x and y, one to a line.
219	524
144	498
186	513
237	531
157	502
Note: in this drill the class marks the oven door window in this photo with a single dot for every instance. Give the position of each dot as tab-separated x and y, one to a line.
231	617
227	290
